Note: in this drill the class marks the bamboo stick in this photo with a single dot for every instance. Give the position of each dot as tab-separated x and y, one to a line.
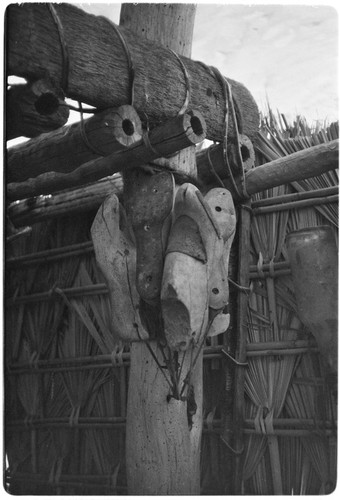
283	265
179	133
65	149
266	274
208	352
68	202
312	202
290	425
292	432
276	200
98	288
50	255
34	108
62	482
101	74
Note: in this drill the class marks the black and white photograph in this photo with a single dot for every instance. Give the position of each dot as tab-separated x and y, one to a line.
170	248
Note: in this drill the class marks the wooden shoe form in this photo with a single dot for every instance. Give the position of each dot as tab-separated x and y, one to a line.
116	256
221	203
149	210
194	241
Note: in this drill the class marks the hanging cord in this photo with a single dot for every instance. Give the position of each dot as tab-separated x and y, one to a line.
229	108
228	105
212	169
84	136
64	49
128	57
187	84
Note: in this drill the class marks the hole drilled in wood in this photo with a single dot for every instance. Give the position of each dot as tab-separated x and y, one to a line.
215	291
245	153
46	104
128	127
196	125
218	209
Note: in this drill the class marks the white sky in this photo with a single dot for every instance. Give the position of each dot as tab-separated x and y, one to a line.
284	51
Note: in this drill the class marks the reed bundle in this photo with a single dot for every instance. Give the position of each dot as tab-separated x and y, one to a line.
274	462
50	346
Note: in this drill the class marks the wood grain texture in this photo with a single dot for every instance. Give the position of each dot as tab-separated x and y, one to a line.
297	166
166	139
69	147
98	69
35	108
162	449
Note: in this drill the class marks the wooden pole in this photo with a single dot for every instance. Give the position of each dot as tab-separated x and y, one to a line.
297	166
294	167
34	108
162	450
241	348
89	59
166	139
67	148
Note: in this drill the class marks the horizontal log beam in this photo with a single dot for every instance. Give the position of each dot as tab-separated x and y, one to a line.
110	131
304	164
177	134
92	66
297	166
76	200
34	108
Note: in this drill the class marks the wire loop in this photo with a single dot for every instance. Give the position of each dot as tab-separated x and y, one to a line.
63	45
128	57
187	83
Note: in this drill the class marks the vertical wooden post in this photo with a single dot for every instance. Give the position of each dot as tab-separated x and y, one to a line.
242	305
162	451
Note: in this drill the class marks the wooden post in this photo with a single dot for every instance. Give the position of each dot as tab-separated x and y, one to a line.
242	305
162	451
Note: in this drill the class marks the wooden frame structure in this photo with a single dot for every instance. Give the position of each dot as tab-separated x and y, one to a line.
54	284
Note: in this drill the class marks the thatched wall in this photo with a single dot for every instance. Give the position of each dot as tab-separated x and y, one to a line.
66	373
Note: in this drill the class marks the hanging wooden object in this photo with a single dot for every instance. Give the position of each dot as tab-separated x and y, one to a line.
64	150
195	279
116	255
313	259
149	207
179	133
102	63
34	108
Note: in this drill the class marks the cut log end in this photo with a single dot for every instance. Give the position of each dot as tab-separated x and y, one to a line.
127	126
196	128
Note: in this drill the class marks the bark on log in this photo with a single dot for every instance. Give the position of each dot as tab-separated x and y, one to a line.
72	201
34	108
304	164
295	167
99	73
211	161
179	133
63	151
